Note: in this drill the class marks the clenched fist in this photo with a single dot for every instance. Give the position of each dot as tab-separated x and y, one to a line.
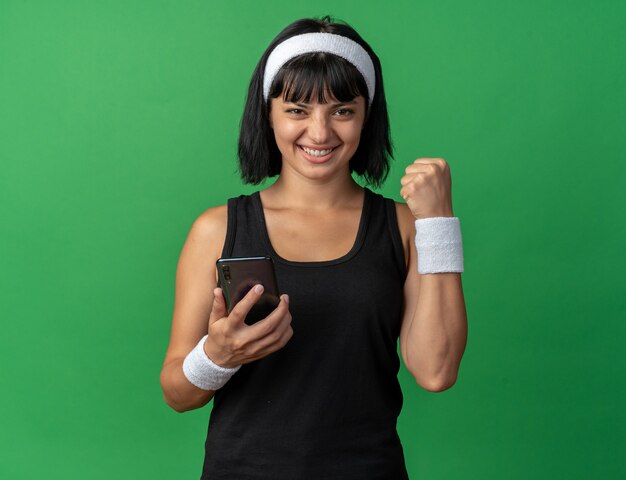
427	188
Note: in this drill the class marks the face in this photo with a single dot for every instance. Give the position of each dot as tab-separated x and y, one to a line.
317	140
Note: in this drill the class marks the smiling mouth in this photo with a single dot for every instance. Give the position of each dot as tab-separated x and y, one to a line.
317	153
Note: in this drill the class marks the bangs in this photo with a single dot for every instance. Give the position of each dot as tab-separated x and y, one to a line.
310	78
322	76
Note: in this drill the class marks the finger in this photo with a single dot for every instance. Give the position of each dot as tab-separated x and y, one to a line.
241	309
406	195
421	168
260	342
427	160
432	166
409	189
266	326
405	180
270	345
219	306
273	341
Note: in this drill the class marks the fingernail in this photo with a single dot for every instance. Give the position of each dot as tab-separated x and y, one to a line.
258	289
286	298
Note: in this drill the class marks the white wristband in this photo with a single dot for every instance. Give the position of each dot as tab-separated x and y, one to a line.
202	372
439	245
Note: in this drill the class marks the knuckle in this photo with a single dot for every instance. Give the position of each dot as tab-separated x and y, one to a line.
255	351
237	311
218	331
284	319
282	341
266	327
237	345
241	309
274	337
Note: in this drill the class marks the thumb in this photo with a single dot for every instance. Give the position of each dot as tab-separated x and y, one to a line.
219	306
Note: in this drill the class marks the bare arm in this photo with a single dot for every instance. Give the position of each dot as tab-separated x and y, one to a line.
195	282
200	309
434	326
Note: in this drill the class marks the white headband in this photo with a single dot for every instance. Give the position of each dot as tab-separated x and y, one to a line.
320	42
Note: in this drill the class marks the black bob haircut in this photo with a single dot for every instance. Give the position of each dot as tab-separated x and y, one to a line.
298	80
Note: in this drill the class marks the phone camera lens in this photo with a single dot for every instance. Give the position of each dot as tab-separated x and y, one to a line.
226	271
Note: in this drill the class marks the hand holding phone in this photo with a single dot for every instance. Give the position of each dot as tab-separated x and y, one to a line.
231	342
238	275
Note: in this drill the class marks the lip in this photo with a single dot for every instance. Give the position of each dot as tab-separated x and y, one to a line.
313	159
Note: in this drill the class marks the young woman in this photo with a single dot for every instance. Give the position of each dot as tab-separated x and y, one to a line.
311	391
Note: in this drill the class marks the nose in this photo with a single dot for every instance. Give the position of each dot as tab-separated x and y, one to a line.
319	129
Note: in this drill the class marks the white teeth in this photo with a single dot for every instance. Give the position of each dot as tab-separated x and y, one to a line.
317	153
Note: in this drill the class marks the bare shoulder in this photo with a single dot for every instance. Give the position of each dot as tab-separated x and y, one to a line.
211	223
406	221
205	241
196	279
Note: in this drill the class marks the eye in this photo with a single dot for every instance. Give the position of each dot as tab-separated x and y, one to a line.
295	111
344	112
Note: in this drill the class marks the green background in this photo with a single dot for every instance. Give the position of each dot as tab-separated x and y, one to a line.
118	127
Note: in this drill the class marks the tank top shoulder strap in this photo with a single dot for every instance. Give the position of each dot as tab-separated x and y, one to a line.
243	228
396	238
384	220
230	228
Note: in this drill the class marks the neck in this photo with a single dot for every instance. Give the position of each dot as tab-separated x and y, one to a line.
303	193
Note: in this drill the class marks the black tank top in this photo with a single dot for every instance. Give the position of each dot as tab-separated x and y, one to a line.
326	405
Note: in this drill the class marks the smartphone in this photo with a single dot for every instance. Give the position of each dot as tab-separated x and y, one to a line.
237	276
